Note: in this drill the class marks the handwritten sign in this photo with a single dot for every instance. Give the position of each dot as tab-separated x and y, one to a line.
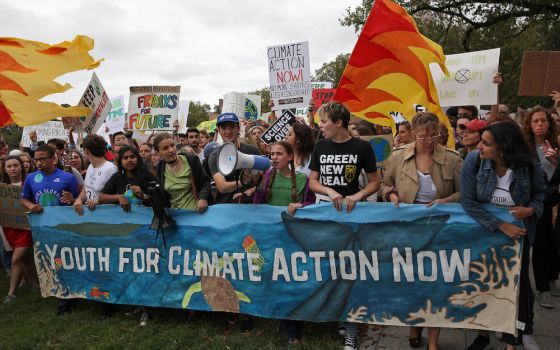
289	75
97	100
183	116
116	118
153	107
12	214
470	78
45	131
278	130
315	85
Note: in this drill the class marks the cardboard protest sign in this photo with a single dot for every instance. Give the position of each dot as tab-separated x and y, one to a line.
382	147
183	116
470	78
326	266
153	107
45	131
116	118
289	75
539	73
278	130
12	213
97	100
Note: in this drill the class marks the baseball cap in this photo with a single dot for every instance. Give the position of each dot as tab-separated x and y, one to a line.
210	148
227	117
476	125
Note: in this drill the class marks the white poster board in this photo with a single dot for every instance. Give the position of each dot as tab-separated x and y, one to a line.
45	131
183	116
97	100
153	107
470	79
116	118
234	102
302	112
289	75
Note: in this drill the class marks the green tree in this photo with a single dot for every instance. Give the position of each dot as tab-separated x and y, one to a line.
12	135
466	25
198	112
332	71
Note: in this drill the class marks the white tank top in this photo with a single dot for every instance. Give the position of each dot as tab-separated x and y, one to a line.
427	190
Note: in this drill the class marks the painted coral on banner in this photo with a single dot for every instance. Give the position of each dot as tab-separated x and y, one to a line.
388	72
28	70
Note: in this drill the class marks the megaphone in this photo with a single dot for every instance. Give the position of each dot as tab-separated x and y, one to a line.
230	159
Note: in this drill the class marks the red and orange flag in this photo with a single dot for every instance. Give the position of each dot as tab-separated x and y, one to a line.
27	73
388	71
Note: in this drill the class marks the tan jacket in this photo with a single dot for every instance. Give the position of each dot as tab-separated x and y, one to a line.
401	174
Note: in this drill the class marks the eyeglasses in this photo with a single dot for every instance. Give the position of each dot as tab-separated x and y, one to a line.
427	139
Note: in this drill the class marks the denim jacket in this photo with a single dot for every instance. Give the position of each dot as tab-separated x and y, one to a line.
477	186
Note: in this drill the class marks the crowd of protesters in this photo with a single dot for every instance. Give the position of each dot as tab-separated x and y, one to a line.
504	158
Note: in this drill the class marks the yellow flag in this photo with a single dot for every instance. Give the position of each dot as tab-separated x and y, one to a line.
27	73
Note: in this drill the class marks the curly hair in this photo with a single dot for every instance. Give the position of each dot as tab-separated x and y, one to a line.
552	133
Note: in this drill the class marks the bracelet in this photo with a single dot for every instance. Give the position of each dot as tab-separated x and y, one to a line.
391	191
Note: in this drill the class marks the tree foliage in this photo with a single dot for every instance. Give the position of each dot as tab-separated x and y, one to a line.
332	71
198	113
466	25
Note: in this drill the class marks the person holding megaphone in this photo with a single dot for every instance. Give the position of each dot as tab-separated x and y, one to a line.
238	182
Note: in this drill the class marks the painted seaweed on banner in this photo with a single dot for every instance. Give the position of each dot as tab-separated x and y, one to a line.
412	265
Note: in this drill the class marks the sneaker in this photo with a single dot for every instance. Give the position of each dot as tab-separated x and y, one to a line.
350	342
529	342
246	325
545	300
9	298
555	288
144	319
479	343
342	330
293	341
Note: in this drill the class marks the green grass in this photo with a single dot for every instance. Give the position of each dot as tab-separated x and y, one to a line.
30	322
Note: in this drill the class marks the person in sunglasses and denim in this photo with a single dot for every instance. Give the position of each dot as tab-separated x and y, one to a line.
423	172
464	115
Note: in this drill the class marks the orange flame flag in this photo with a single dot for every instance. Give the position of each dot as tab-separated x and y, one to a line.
27	73
388	72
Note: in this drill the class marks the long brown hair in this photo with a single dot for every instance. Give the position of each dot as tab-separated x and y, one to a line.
290	151
5	177
552	135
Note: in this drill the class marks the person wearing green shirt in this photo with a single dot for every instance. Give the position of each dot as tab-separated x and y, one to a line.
182	177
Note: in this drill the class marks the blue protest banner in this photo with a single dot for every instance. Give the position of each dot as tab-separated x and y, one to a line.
411	265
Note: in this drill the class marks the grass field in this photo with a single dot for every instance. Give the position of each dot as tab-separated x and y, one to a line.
30	322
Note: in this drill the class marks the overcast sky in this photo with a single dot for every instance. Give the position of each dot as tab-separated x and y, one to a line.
208	47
